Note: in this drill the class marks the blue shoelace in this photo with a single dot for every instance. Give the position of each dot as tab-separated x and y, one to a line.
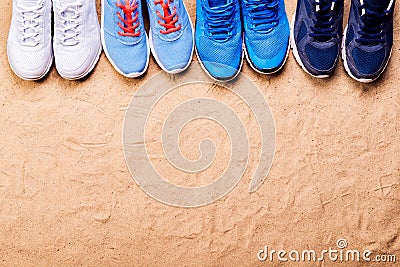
221	21
263	14
372	25
323	29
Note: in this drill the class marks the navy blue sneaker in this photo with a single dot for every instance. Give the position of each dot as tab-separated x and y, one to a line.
266	34
316	35
218	37
368	40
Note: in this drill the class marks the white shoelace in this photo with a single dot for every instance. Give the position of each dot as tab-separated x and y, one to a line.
70	23
30	21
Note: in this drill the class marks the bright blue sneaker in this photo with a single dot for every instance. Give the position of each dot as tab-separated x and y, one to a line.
266	34
368	39
219	38
171	34
317	35
124	37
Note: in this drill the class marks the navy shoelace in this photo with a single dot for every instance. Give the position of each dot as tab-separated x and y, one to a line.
323	29
220	21
372	25
263	14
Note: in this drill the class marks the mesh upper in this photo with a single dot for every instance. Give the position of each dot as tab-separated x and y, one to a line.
31	60
268	45
302	32
308	7
224	53
368	62
349	35
322	59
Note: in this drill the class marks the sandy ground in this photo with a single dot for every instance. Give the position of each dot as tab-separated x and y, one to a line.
67	198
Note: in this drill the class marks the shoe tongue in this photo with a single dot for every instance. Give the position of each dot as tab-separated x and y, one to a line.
63	2
216	3
31	2
377	4
67	2
323	3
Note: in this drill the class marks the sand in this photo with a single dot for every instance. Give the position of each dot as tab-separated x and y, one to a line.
67	197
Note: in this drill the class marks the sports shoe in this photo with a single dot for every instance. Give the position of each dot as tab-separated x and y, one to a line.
316	35
124	37
368	39
266	34
218	38
29	46
76	43
171	34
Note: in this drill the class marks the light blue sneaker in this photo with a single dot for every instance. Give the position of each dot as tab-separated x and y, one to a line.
266	34
219	38
171	34
124	37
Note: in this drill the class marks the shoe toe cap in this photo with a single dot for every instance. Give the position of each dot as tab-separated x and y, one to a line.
368	64
221	60
77	64
268	51
220	71
30	65
269	63
128	59
322	58
173	55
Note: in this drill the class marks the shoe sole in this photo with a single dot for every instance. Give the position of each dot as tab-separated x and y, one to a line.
176	71
128	75
346	65
296	52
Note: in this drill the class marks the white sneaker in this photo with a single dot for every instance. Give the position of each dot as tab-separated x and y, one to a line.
29	41
76	43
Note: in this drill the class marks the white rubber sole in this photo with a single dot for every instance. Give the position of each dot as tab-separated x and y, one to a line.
346	65
296	52
261	72
153	51
128	75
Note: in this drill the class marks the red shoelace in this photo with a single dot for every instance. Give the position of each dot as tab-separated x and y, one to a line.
170	18
129	23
